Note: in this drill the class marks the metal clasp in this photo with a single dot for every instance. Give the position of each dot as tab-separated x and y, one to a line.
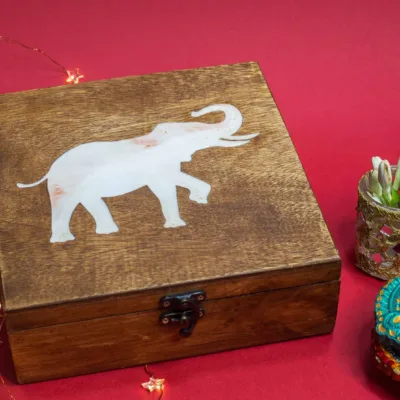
183	309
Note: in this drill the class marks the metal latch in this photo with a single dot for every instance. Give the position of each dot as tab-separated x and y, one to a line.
183	309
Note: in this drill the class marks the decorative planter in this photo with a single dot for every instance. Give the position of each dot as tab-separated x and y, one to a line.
378	236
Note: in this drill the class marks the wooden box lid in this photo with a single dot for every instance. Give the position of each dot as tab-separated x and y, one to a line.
261	214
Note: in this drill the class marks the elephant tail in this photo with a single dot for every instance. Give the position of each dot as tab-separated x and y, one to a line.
233	118
28	185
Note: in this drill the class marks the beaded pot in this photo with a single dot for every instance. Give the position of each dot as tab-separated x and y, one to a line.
378	236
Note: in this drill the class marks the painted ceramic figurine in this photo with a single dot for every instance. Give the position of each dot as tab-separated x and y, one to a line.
386	335
90	172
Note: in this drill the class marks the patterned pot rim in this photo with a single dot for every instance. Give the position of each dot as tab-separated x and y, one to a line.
363	193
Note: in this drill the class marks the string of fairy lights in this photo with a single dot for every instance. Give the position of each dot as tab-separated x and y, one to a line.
73	77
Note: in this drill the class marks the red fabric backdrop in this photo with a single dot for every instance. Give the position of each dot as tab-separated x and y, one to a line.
334	69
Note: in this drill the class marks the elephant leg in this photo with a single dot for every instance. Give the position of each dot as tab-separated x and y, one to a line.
167	196
61	213
101	214
199	190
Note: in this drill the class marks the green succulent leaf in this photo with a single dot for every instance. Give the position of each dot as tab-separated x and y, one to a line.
395	198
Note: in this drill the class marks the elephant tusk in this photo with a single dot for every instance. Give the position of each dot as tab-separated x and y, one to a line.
243	137
226	143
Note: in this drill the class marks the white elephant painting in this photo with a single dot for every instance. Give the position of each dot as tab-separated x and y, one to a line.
90	172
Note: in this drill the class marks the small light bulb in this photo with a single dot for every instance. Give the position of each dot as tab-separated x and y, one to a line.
74	76
154	384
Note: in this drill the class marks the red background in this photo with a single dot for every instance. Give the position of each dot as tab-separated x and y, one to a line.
334	69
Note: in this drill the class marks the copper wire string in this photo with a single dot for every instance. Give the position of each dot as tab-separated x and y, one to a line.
13	41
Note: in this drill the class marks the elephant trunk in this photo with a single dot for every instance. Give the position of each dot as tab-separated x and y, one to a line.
230	125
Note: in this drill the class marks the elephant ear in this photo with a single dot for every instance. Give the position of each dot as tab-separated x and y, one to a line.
145	141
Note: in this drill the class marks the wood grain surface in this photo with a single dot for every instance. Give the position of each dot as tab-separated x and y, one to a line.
262	215
149	300
121	341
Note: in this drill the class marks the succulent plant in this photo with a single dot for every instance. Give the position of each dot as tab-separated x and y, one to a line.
380	184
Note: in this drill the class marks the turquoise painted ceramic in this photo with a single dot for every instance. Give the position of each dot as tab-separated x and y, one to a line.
387	314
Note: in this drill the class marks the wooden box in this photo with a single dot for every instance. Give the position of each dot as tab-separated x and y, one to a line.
223	223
